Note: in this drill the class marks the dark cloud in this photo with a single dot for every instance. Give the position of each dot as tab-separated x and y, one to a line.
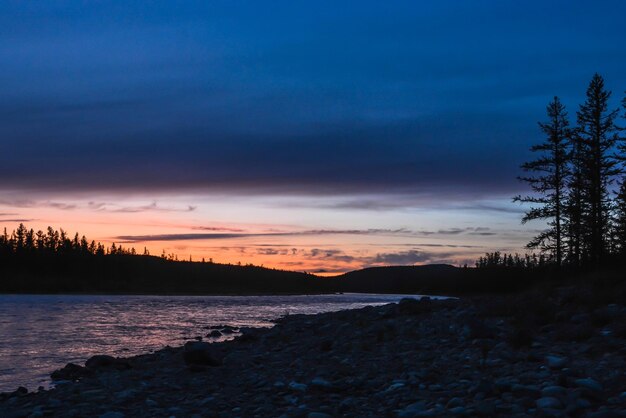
96	206
217	229
27	203
451	231
210	236
481	207
458	231
152	207
302	98
16	220
228	233
339	261
402	258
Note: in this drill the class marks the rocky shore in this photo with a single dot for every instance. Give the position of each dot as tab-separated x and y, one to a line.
561	353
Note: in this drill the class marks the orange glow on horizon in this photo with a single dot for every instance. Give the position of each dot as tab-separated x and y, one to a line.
316	241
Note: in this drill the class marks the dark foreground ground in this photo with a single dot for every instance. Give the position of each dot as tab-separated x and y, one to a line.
557	352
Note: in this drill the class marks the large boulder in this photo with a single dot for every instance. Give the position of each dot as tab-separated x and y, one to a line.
412	306
71	372
197	353
100	362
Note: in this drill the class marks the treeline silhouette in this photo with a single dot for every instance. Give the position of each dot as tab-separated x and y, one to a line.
27	242
52	262
526	261
578	184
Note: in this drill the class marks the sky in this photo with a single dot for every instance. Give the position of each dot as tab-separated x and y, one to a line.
312	136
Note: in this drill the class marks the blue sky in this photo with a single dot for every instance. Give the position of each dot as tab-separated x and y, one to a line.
317	109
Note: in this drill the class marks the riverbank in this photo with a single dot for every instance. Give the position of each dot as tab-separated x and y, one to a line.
556	353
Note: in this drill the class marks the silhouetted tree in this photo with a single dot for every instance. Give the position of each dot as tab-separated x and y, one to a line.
597	134
575	204
550	181
620	220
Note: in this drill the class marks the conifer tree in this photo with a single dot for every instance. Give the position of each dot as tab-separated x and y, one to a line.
620	220
576	205
597	134
550	182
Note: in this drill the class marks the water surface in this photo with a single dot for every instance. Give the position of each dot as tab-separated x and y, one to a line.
42	333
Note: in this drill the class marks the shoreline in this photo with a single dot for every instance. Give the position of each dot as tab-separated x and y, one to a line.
518	355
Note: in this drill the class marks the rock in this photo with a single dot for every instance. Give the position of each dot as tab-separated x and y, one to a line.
394	387
326	345
590	384
346	405
457	410
590	388
20	391
548	402
200	354
412	306
36	412
300	387
105	362
479	330
54	403
454	402
320	383
486	408
125	394
531	391
112	414
484	386
214	334
503	385
555	362
209	400
416	409
318	415
248	335
70	372
580	318
554	391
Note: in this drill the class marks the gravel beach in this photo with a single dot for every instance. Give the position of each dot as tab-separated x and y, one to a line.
508	356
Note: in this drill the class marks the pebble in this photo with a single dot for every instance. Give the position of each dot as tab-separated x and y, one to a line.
548	402
112	414
318	415
556	362
590	384
301	387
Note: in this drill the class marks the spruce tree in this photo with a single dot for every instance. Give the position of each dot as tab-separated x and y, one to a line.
576	205
549	183
620	220
597	134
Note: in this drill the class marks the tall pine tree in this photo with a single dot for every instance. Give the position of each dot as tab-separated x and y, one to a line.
575	204
597	135
550	181
620	220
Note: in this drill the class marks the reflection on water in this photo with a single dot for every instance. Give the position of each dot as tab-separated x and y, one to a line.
41	333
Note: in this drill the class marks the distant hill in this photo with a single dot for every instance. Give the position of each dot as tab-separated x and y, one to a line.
147	275
401	279
441	279
133	274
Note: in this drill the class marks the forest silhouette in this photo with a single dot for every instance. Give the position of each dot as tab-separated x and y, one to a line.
578	188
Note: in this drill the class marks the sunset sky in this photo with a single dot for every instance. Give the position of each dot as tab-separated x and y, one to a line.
315	136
